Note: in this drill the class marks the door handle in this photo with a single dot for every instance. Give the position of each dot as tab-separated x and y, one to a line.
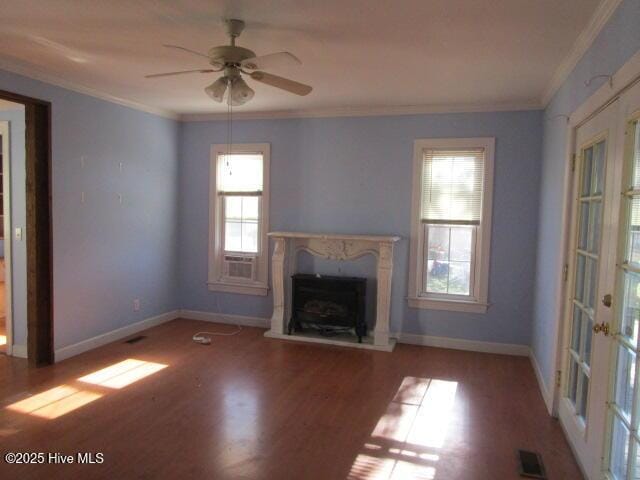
606	300
601	327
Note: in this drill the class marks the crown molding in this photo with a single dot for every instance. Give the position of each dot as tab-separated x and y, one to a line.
28	71
35	74
362	111
599	19
581	45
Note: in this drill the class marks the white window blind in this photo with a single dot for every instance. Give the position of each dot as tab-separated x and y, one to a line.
452	182
240	174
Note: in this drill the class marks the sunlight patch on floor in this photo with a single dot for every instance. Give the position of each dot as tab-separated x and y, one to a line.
377	468
55	402
63	399
3	340
434	415
121	374
405	442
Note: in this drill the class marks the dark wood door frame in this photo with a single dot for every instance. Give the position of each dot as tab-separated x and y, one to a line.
38	228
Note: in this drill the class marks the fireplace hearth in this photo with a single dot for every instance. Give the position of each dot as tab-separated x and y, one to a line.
328	304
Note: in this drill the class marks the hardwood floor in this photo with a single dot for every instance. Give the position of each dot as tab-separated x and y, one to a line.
246	407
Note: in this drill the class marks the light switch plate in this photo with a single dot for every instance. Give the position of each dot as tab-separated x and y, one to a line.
18	233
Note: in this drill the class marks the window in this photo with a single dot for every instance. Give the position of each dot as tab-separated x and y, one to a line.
239	210
451	224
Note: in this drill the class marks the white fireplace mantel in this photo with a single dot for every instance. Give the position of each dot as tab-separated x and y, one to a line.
333	247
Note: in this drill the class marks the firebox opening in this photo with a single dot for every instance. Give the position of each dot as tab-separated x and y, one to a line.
330	305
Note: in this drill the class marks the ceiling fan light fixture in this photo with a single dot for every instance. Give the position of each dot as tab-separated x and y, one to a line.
239	92
234	61
216	89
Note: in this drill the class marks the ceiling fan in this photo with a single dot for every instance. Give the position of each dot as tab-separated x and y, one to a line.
235	61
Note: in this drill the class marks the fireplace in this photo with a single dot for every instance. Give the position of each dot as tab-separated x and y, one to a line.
330	305
339	247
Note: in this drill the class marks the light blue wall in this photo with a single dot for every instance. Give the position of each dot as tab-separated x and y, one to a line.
341	175
18	219
107	253
353	175
616	43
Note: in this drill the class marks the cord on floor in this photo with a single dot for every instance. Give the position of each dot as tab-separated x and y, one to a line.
200	338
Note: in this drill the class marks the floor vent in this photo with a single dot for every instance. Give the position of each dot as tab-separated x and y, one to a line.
530	465
135	339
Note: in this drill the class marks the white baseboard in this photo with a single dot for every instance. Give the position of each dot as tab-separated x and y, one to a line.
459	344
19	351
424	340
546	395
408	338
112	336
576	457
225	318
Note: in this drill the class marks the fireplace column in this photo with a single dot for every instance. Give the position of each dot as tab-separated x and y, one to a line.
383	304
278	281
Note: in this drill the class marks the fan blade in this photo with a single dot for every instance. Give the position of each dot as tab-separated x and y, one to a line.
273	60
182	72
282	83
178	47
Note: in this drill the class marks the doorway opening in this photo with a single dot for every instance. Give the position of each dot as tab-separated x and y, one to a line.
11	124
36	316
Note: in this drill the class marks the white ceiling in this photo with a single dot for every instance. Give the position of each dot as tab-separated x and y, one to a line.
355	53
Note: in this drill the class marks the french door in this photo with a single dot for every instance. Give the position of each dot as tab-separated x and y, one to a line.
622	448
600	402
587	347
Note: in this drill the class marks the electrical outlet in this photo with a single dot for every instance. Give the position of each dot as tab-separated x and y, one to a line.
136	304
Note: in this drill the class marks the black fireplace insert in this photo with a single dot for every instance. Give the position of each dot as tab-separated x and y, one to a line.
328	304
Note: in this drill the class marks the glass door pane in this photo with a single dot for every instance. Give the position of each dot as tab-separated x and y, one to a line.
623	407
587	256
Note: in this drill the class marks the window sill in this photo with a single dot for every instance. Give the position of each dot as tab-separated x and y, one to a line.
450	305
243	289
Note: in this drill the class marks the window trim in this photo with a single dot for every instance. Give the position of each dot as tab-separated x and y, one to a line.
216	280
478	302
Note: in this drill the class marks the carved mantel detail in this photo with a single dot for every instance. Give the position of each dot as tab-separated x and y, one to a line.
333	247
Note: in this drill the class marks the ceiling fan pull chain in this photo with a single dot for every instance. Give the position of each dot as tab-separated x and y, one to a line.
229	122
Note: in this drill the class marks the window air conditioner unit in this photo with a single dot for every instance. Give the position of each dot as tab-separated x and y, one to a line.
239	267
